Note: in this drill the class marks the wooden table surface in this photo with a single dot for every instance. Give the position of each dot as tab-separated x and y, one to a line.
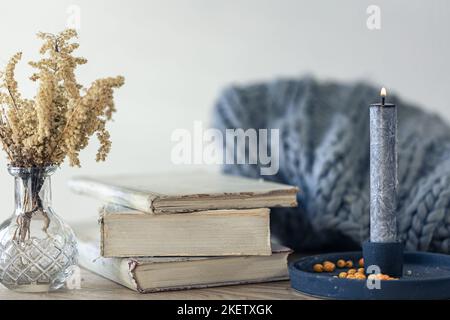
94	287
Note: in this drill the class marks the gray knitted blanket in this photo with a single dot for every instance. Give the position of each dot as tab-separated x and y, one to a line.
324	150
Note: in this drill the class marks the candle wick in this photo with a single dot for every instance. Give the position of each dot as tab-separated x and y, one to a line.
383	96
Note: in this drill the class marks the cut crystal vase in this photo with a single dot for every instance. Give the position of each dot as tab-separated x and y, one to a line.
38	251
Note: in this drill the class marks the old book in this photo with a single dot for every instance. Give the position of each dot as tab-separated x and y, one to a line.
175	273
129	233
185	192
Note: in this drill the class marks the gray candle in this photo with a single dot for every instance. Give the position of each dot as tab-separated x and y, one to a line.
383	171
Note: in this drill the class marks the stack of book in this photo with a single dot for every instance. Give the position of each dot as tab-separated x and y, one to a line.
184	230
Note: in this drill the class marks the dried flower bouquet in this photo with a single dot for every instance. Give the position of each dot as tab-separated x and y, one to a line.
58	122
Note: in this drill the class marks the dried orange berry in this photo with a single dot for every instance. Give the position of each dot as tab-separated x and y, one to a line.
343	275
361	262
351	271
340	263
381	276
360	276
361	270
349	264
329	266
318	267
350	276
372	276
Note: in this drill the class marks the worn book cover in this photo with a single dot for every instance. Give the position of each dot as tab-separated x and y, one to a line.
186	191
153	274
127	232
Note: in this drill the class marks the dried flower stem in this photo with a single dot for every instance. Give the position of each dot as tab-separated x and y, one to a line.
59	138
12	98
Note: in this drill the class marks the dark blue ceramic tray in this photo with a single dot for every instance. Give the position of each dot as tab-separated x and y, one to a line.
425	276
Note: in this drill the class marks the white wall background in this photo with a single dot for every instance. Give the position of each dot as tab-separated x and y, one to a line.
177	55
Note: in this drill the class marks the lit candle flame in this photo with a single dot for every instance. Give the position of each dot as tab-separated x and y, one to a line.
383	92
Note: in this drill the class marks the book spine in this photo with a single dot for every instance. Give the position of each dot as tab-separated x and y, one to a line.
102	233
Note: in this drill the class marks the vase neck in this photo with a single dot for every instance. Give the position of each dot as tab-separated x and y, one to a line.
32	189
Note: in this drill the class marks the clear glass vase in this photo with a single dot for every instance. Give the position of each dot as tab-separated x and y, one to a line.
38	251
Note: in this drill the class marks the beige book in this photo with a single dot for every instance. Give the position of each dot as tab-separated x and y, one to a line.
175	273
185	192
131	233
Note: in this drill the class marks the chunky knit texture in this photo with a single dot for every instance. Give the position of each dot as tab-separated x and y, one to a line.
324	150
